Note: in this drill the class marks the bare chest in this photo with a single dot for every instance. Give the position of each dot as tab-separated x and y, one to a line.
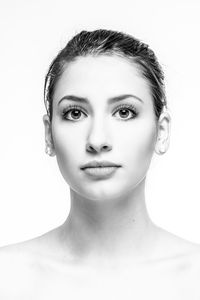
140	284
167	282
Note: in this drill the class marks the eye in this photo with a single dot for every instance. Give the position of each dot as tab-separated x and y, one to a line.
73	110
125	111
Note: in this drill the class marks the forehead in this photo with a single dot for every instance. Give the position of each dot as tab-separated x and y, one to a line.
102	77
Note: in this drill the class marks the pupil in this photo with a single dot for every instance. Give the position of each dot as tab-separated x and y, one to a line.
76	114
124	110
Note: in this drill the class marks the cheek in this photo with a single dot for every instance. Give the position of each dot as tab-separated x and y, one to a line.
66	149
66	140
147	141
139	146
137	156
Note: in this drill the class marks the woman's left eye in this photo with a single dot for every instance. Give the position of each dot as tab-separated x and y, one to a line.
126	109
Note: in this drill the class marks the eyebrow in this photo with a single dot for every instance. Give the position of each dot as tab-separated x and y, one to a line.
110	100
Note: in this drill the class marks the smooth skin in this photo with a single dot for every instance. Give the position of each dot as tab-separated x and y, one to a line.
108	248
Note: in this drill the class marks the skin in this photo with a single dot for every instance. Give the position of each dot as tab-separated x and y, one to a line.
107	216
108	246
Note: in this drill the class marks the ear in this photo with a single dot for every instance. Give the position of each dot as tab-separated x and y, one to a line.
48	136
163	133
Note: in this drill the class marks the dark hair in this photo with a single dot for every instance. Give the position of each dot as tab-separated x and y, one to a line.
108	42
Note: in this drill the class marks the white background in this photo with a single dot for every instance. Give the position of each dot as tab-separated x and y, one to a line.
34	197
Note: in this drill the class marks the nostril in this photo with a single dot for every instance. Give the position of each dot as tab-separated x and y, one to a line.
96	148
105	147
92	149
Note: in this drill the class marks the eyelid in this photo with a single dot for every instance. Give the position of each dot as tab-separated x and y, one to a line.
71	107
128	106
74	106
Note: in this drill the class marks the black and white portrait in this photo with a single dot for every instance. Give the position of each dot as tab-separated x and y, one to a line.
100	148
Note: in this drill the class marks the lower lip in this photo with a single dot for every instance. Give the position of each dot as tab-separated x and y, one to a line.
100	172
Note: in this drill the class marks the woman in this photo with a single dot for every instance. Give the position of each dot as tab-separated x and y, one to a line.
106	116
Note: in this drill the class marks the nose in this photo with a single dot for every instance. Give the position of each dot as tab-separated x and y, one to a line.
98	139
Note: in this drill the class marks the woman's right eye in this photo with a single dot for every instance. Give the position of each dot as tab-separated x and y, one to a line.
74	111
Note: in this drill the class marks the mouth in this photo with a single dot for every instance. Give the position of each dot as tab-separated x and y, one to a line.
100	172
100	169
99	165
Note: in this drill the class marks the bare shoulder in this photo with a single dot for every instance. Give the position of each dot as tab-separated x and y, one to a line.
15	272
26	267
179	255
20	269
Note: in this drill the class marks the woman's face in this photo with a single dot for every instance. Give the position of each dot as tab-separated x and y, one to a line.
79	134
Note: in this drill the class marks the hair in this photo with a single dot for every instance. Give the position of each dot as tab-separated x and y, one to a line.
108	42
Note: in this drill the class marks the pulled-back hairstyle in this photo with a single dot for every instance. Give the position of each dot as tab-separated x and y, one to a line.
108	42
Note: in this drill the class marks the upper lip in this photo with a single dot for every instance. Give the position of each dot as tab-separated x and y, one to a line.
96	164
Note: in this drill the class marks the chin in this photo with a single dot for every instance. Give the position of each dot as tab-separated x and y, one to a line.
103	194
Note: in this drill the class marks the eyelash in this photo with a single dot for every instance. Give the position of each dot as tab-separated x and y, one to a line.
129	107
71	107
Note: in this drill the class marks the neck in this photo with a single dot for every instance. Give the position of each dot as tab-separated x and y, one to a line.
109	228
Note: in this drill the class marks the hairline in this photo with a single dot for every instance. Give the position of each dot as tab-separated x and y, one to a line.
127	58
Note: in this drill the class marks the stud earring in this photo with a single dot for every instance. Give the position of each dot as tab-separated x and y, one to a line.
161	149
48	150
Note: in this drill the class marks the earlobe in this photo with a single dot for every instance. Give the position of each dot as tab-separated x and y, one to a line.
163	134
49	149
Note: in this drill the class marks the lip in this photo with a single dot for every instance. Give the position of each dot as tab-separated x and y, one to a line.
100	169
100	172
99	164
